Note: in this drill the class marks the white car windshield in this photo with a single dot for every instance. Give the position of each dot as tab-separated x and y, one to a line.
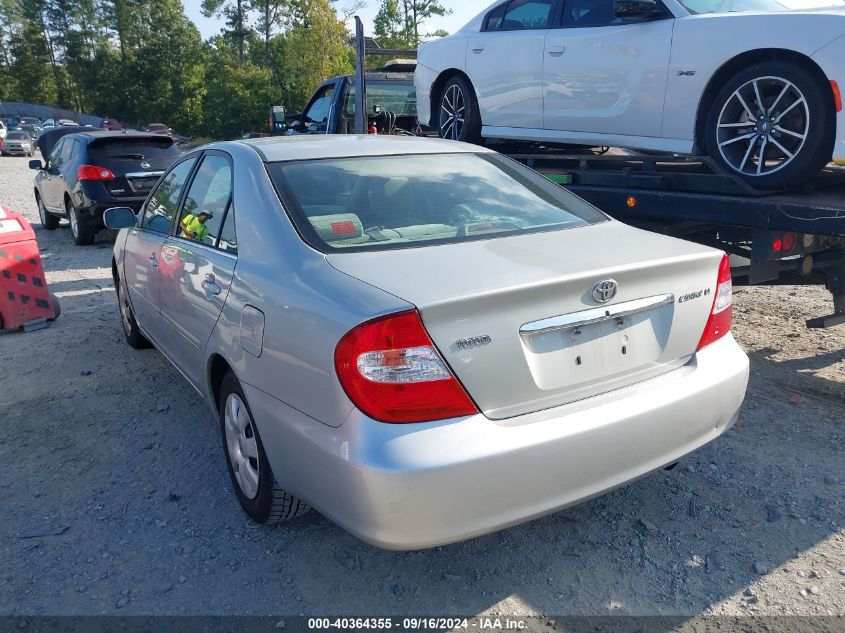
374	203
732	6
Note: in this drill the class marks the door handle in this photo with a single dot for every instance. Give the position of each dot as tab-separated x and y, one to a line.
153	261
211	287
477	47
557	51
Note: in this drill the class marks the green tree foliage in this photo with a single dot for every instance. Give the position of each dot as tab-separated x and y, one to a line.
235	12
390	27
316	47
143	61
399	23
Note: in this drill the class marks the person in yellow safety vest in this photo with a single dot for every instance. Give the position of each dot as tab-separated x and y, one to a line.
193	226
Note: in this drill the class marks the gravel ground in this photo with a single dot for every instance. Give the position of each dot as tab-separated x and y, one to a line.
115	497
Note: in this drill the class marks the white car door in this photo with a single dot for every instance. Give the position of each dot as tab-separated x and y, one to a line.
606	75
504	63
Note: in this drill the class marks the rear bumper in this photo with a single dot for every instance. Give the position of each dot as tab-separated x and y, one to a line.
421	485
92	200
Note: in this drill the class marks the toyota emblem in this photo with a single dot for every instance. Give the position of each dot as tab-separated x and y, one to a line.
605	290
145	165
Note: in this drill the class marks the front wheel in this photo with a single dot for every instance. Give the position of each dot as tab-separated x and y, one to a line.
772	124
249	469
83	234
49	221
459	118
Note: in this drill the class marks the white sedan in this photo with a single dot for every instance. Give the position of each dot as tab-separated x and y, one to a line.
748	82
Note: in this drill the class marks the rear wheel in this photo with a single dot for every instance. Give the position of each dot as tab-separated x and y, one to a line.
134	338
249	469
49	221
772	124
82	233
459	118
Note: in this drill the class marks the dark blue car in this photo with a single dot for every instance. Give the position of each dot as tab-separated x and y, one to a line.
88	172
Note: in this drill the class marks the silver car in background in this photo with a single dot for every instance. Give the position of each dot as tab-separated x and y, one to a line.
423	340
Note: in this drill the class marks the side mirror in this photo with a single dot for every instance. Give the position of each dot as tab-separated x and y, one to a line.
36	164
635	9
278	117
119	218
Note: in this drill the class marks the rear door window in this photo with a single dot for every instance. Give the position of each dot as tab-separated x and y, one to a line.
161	206
67	151
206	201
228	236
55	159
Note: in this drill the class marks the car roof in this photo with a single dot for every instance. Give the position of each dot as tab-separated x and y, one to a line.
310	147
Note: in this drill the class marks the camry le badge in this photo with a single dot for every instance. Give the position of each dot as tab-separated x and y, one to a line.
605	290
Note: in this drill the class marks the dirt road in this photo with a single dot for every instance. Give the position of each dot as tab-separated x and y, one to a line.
115	496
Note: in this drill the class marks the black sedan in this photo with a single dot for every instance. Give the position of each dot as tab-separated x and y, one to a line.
88	172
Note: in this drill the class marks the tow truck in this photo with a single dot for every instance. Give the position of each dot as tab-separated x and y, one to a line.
774	237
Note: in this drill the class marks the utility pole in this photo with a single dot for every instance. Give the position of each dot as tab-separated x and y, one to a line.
360	80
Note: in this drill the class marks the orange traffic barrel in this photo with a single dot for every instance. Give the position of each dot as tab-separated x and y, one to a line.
25	300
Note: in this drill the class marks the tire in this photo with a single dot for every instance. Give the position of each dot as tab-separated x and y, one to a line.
82	234
134	338
49	221
456	98
255	486
796	137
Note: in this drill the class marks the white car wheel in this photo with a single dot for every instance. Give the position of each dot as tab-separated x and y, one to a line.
458	118
772	125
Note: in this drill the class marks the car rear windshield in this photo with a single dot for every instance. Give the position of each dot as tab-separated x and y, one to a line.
129	148
17	136
399	97
384	202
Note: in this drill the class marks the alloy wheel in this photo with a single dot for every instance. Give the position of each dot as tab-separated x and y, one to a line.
452	113
763	126
242	445
42	212
74	221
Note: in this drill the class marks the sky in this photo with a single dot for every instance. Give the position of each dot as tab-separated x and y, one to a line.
462	12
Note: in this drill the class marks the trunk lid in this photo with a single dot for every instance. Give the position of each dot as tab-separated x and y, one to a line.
516	320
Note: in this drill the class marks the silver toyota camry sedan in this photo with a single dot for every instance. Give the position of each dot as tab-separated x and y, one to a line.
423	340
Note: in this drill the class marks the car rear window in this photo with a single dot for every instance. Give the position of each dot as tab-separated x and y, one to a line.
140	149
399	97
17	136
384	202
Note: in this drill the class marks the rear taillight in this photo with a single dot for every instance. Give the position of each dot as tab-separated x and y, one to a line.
392	372
719	322
92	172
